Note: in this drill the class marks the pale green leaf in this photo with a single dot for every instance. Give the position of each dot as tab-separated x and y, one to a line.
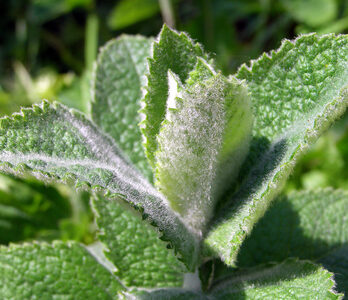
312	12
309	225
116	93
57	271
140	257
172	51
53	142
202	142
297	92
291	279
129	12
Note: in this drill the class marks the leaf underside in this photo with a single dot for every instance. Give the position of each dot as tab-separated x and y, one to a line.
297	92
52	142
116	93
57	271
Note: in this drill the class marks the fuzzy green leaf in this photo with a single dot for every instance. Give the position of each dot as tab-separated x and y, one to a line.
116	94
297	92
172	51
140	257
57	271
291	279
53	142
309	225
312	12
202	142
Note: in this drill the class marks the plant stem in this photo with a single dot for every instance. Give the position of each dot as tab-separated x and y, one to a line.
91	40
167	12
192	281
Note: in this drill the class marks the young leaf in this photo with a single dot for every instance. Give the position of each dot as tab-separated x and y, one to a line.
116	93
291	279
297	92
309	225
57	271
202	141
172	51
52	142
134	247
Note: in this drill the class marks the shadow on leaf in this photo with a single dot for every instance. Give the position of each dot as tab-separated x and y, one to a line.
279	235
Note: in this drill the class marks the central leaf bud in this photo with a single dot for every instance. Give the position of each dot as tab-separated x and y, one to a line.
197	129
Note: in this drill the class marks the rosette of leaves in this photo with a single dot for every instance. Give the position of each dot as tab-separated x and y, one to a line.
176	196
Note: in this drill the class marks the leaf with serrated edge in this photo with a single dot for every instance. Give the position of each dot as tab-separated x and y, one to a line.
116	93
291	279
171	51
297	92
307	224
53	142
140	257
202	141
54	271
337	262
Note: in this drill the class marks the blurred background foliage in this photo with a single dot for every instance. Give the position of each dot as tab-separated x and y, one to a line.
47	50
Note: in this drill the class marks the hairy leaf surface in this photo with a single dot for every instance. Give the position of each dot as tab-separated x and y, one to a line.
202	141
51	141
291	279
140	257
116	94
172	51
57	271
309	225
297	92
